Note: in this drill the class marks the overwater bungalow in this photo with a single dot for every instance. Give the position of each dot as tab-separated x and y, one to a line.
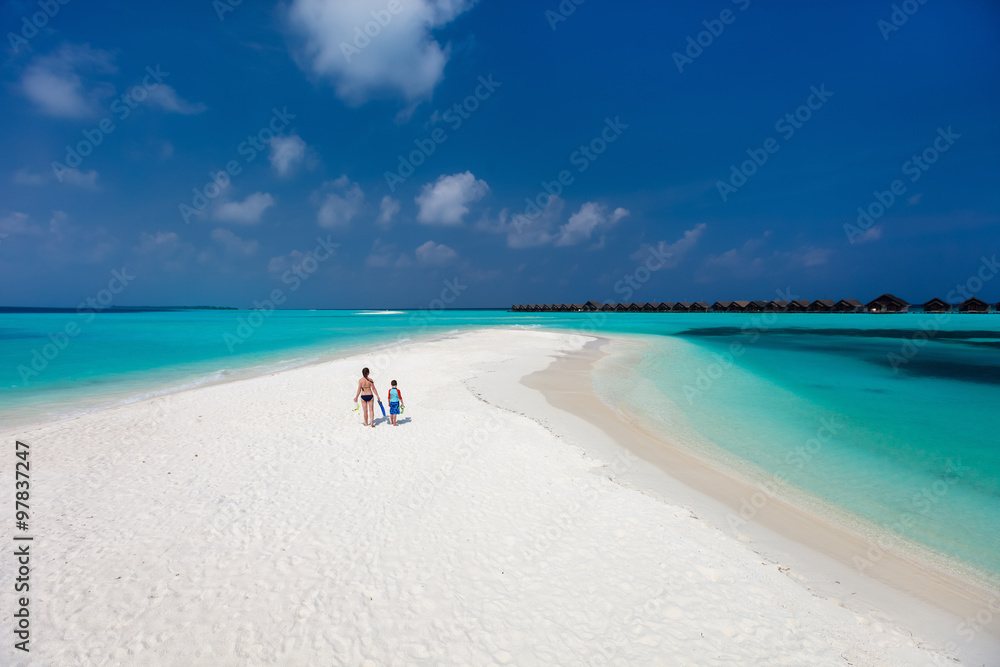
591	307
887	303
721	306
699	307
821	306
973	305
666	307
682	307
797	306
635	307
623	307
650	307
937	305
777	306
609	307
848	306
739	306
757	306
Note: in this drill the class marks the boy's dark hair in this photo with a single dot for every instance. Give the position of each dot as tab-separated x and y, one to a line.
393	383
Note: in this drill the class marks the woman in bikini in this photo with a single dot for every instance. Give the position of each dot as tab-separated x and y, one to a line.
365	388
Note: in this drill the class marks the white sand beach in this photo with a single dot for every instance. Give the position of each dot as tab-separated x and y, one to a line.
257	522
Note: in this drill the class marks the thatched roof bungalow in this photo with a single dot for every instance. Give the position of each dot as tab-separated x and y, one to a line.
666	307
623	307
757	306
650	307
848	306
973	305
609	307
937	305
591	307
576	307
821	306
887	303
739	306
797	306
721	306
699	307
682	307
777	306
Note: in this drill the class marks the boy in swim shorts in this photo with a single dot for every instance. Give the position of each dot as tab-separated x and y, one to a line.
395	401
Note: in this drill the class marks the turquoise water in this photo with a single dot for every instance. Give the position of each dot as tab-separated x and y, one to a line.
889	420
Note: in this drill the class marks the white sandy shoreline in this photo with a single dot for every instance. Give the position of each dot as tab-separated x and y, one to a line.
257	522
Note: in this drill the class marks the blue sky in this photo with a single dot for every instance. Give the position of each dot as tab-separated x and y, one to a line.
643	109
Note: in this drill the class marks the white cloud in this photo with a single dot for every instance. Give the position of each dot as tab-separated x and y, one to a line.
339	207
445	202
246	212
534	228
591	217
808	257
233	244
388	210
671	254
25	177
153	243
742	262
19	224
870	235
85	180
287	153
435	254
399	56
166	98
167	248
56	84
